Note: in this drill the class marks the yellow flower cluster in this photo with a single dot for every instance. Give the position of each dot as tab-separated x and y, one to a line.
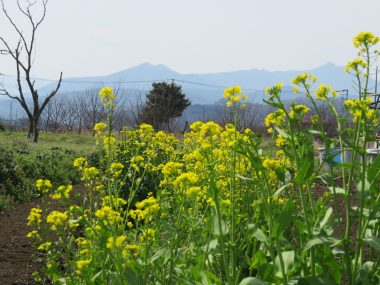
90	173
356	65
323	92
62	192
107	96
82	264
234	96
276	118
146	209
56	219
43	186
274	91
34	217
304	80
117	242
365	39
80	162
44	246
186	179
298	111
99	127
116	169
360	110
147	235
108	216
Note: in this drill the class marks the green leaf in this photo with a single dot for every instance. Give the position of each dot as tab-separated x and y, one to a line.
374	242
288	258
279	190
326	178
131	277
243	177
321	240
316	281
315	132
219	229
210	246
374	170
282	132
306	170
252	281
93	279
326	218
259	235
338	191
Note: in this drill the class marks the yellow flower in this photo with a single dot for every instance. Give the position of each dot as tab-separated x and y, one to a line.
147	235
82	264
276	118
43	186
365	39
33	234
62	192
90	173
99	127
120	240
110	242
45	246
323	91
280	141
298	110
106	94
56	219
79	162
116	169
34	218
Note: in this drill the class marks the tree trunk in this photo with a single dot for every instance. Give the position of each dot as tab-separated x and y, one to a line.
33	130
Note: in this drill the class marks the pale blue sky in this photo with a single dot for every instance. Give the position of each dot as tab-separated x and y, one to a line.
98	37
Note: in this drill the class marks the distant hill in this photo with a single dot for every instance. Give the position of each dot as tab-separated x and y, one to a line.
202	88
197	86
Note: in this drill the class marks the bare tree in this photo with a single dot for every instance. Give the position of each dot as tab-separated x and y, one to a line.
22	55
246	118
93	110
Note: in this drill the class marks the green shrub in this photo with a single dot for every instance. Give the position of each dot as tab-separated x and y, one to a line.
14	186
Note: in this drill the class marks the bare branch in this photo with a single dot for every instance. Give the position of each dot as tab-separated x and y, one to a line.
47	99
14	26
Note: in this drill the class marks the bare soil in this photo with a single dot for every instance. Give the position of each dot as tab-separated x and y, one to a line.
18	258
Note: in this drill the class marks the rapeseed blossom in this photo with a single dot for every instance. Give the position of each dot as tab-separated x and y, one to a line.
107	96
62	192
365	39
34	218
360	110
323	91
43	186
100	127
56	219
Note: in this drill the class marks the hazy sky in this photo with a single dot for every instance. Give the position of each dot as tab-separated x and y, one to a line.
98	37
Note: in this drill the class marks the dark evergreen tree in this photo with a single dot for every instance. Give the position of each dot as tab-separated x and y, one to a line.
165	102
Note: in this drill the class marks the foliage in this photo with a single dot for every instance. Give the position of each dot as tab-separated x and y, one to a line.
13	183
2	128
164	102
22	161
225	211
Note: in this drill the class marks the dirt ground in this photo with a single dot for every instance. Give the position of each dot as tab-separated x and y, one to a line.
17	255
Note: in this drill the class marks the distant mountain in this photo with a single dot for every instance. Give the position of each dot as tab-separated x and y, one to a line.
205	88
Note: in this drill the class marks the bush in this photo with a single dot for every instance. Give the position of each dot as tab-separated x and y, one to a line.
14	186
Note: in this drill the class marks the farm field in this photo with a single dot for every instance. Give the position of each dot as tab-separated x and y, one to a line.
220	205
149	176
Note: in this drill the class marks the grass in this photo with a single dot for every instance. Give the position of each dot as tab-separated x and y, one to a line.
81	144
